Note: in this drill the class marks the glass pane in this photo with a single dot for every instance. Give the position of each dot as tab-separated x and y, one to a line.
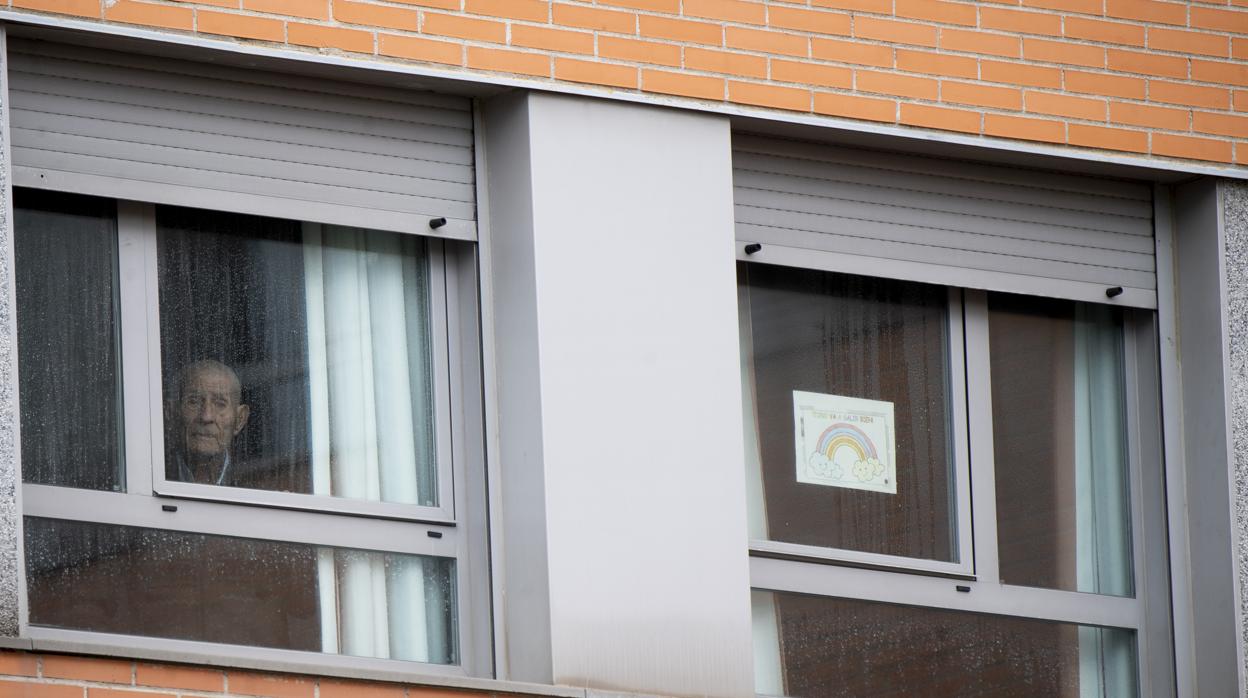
1059	438
69	371
296	360
191	586
833	341
810	646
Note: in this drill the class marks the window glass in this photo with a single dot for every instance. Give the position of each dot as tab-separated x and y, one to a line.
810	646
296	358
69	367
192	586
1059	439
834	341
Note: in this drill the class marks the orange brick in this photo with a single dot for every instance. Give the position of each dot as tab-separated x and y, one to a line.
1221	124
852	52
816	21
769	96
242	26
1188	42
1085	6
940	117
371	15
713	61
1235	21
767	41
419	49
980	42
981	95
1147	11
881	7
1239	48
1214	71
670	6
595	73
727	10
893	31
1241	100
855	107
531	10
1192	95
1023	128
334	688
936	11
592	18
440	4
899	85
1105	32
1153	117
680	30
1064	105
270	685
558	40
1107	138
315	35
1147	63
683	85
1063	52
1019	21
639	51
23	689
184	677
811	73
79	8
152	15
464	27
18	663
59	666
1020	74
504	61
94	692
1105	85
1191	147
309	9
936	64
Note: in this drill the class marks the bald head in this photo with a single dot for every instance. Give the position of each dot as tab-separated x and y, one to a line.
210	410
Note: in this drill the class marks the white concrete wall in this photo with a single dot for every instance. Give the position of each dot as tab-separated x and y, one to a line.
623	399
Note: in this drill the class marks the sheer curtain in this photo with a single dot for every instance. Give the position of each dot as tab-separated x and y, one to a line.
372	433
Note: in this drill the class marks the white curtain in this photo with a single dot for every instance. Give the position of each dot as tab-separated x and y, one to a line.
371	433
1102	515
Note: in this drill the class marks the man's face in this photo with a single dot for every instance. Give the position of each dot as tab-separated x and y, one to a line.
210	413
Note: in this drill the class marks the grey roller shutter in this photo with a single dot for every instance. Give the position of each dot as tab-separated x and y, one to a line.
943	221
195	134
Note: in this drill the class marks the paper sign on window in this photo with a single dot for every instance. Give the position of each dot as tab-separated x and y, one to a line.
844	442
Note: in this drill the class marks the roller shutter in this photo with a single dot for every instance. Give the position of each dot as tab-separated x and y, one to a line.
195	134
943	221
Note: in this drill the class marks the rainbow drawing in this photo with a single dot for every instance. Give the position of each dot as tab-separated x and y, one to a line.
843	435
844	441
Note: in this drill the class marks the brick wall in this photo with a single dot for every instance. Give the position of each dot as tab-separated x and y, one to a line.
1139	76
29	675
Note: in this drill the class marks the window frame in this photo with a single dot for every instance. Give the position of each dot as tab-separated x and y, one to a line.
834	573
451	530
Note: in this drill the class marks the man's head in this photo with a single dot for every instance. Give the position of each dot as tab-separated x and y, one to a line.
210	410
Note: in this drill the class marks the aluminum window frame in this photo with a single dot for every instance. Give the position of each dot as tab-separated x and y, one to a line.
451	530
1146	613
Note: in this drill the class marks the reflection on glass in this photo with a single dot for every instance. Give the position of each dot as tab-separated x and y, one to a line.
69	368
810	647
857	337
296	358
191	586
1059	438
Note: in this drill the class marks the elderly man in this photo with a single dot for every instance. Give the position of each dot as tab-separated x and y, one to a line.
207	414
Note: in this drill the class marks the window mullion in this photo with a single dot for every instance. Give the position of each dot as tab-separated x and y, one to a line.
979	420
140	342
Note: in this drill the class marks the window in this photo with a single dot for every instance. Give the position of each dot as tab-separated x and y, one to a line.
951	491
248	431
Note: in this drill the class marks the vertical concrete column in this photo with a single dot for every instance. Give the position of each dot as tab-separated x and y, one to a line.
10	476
624	563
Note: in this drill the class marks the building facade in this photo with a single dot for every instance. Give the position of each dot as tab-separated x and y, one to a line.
659	347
